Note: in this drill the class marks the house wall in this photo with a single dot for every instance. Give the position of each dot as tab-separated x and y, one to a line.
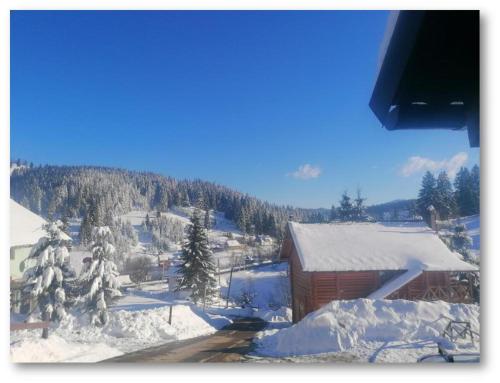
328	286
18	261
301	288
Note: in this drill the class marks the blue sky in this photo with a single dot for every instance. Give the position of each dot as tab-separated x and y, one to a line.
274	104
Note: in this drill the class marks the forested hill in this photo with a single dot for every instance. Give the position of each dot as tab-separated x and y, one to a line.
72	191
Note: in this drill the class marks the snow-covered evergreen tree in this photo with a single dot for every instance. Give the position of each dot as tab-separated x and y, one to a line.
427	195
464	192
345	210
333	213
197	268
208	220
46	280
475	175
358	208
98	276
445	201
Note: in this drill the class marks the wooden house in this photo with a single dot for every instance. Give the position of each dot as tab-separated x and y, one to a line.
370	260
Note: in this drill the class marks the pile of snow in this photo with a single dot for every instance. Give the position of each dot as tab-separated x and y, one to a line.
76	340
343	325
57	349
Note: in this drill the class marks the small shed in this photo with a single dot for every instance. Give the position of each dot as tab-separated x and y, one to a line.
338	261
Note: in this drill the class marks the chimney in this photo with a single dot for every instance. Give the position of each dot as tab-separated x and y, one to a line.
432	217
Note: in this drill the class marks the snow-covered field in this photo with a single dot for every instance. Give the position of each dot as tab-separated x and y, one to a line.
396	331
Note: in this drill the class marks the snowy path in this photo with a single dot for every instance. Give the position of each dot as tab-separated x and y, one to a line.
230	344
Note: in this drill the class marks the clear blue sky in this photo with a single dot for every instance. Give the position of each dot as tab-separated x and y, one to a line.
240	98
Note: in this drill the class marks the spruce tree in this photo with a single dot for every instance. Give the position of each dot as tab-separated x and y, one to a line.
345	210
207	221
197	268
46	281
464	195
427	195
358	207
99	277
333	213
475	175
445	201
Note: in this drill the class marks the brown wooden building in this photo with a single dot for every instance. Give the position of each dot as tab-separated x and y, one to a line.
369	260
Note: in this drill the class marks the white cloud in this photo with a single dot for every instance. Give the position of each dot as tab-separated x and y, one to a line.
306	172
418	164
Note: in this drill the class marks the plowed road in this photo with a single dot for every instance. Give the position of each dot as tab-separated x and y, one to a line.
226	345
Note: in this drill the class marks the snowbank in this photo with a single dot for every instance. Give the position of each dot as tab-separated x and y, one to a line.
75	340
56	349
342	325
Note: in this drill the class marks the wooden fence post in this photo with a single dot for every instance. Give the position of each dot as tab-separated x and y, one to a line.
170	315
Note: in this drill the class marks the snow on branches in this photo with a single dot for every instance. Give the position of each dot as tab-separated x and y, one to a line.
197	268
45	281
99	276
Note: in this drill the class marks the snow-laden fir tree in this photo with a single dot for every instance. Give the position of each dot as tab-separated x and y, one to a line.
197	269
345	210
358	208
208	220
46	280
464	194
333	213
445	201
427	195
99	276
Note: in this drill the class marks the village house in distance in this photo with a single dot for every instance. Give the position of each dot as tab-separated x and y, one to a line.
337	261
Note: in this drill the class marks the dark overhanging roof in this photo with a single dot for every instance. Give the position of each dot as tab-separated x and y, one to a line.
429	73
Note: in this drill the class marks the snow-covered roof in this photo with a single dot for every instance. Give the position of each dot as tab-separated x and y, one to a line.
26	228
372	246
233	243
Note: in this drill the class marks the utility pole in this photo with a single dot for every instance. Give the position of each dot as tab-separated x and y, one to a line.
229	286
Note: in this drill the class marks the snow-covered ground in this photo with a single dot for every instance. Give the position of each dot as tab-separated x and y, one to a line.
395	331
139	320
268	286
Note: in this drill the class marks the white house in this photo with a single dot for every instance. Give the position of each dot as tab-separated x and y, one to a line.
26	228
